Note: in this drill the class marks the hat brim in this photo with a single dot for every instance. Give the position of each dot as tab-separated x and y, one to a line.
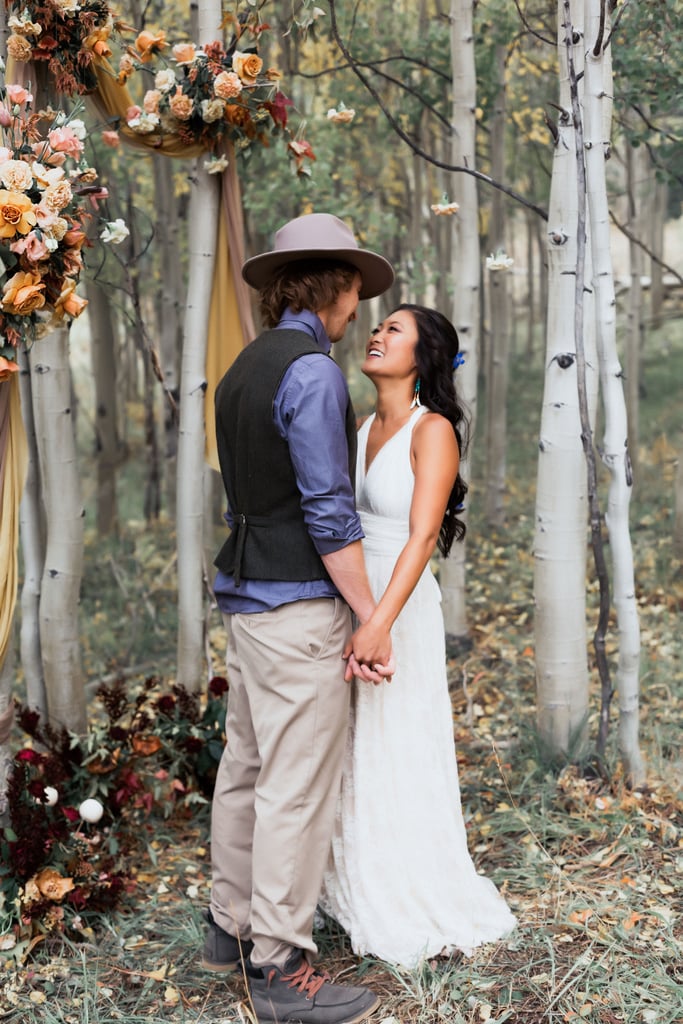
377	274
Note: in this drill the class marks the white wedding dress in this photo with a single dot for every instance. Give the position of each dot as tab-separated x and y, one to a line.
400	879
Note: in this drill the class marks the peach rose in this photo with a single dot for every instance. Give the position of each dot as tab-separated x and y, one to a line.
16	175
17	94
23	293
148	44
150	101
184	53
17	215
69	304
111	139
181	105
247	65
7	368
227	85
31	247
20	48
65	140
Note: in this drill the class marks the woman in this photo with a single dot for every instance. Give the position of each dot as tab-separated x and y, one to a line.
400	879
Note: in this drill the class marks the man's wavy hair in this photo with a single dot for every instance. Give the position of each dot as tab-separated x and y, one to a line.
304	284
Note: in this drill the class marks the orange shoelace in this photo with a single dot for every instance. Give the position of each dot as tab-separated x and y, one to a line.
306	979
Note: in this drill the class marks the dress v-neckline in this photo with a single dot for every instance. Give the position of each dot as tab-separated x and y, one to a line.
367	467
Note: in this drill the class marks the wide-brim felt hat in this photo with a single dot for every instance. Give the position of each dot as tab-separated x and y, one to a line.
320	236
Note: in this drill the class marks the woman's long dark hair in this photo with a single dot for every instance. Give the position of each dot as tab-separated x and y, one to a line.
435	355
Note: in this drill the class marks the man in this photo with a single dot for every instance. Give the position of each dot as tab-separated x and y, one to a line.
289	576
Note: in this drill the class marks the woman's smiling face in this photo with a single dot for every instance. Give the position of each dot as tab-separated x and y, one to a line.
390	352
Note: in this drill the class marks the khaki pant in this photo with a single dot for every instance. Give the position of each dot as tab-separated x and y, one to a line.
279	777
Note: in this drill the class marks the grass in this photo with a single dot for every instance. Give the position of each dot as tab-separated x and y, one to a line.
592	869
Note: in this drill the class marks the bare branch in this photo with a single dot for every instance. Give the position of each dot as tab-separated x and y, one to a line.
479	175
632	238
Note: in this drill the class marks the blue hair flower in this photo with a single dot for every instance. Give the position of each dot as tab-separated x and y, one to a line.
459	360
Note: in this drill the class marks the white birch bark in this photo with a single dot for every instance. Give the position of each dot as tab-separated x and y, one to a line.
638	185
465	272
102	323
61	579
561	491
203	220
32	533
499	340
615	455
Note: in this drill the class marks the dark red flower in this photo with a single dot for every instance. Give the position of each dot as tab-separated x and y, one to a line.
218	686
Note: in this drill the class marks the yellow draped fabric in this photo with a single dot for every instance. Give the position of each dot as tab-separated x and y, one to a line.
13	463
230	324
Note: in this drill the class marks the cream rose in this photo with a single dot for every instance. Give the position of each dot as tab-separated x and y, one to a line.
165	79
150	101
56	197
212	110
16	175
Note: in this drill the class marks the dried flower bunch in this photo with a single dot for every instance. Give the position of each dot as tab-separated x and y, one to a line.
211	95
79	806
47	193
65	34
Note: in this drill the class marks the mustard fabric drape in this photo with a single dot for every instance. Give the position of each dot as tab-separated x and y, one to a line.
230	323
13	464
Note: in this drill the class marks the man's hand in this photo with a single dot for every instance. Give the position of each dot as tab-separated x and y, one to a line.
368	654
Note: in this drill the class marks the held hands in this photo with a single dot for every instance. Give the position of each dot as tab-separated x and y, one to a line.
368	654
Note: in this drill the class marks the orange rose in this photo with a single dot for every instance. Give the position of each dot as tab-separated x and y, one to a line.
247	65
53	885
148	44
23	293
7	368
16	214
69	304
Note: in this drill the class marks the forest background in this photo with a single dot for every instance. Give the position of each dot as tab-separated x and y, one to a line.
597	883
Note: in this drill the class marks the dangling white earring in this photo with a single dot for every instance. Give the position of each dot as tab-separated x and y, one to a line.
416	396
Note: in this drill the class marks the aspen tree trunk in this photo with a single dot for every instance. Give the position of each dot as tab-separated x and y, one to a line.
638	183
561	490
465	272
32	533
657	222
597	128
170	324
61	579
203	220
104	367
499	342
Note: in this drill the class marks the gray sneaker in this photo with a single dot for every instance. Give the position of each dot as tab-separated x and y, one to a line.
298	994
223	953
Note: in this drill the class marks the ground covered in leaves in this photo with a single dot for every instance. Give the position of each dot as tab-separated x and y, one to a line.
592	869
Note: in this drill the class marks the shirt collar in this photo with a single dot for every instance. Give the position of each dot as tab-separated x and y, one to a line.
309	322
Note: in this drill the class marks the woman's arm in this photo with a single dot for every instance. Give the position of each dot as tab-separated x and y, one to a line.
435	459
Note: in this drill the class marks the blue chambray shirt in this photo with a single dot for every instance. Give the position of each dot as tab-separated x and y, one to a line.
309	409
